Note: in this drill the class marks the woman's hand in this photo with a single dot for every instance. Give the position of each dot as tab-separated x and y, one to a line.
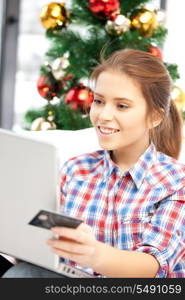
80	246
77	244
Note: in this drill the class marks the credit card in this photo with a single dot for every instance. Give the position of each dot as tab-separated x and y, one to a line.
47	219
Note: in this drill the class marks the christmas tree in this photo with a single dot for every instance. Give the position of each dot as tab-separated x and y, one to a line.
78	33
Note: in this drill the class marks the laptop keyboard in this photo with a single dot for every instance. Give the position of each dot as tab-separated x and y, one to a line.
70	271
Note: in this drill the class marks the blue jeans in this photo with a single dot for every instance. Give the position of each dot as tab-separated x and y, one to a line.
27	270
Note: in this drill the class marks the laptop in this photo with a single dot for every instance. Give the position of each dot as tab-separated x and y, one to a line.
29	182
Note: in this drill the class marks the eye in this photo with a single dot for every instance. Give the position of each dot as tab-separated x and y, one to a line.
122	106
97	101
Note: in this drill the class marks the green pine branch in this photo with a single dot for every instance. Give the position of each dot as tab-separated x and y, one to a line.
65	117
127	6
173	70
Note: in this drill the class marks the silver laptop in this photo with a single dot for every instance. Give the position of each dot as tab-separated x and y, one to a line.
29	182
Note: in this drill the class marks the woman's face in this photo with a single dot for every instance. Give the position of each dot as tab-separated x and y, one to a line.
119	112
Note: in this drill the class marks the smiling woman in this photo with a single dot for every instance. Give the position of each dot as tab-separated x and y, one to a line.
147	84
131	194
121	123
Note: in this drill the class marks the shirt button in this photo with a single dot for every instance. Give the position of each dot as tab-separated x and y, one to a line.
178	233
150	214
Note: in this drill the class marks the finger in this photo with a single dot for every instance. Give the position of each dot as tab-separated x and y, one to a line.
79	236
82	226
74	257
85	227
71	247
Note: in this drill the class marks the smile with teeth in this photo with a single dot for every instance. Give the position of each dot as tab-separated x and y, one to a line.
106	130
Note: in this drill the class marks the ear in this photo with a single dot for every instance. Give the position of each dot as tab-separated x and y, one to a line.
156	118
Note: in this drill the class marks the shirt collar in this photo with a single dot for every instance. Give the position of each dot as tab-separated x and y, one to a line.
109	166
137	172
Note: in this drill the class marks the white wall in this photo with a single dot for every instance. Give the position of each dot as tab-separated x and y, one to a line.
174	47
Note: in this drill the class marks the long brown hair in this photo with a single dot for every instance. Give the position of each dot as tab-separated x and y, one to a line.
156	85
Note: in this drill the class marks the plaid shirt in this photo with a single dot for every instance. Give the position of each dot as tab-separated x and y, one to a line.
139	210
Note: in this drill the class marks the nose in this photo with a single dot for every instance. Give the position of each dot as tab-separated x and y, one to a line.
106	113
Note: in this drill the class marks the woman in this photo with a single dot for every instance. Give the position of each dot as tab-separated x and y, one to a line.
130	194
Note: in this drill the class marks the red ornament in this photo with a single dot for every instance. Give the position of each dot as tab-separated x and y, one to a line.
46	88
155	51
104	8
79	97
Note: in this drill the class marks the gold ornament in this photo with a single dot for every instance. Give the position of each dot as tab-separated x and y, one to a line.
42	124
48	125
118	26
36	124
178	97
53	15
59	66
50	116
145	21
